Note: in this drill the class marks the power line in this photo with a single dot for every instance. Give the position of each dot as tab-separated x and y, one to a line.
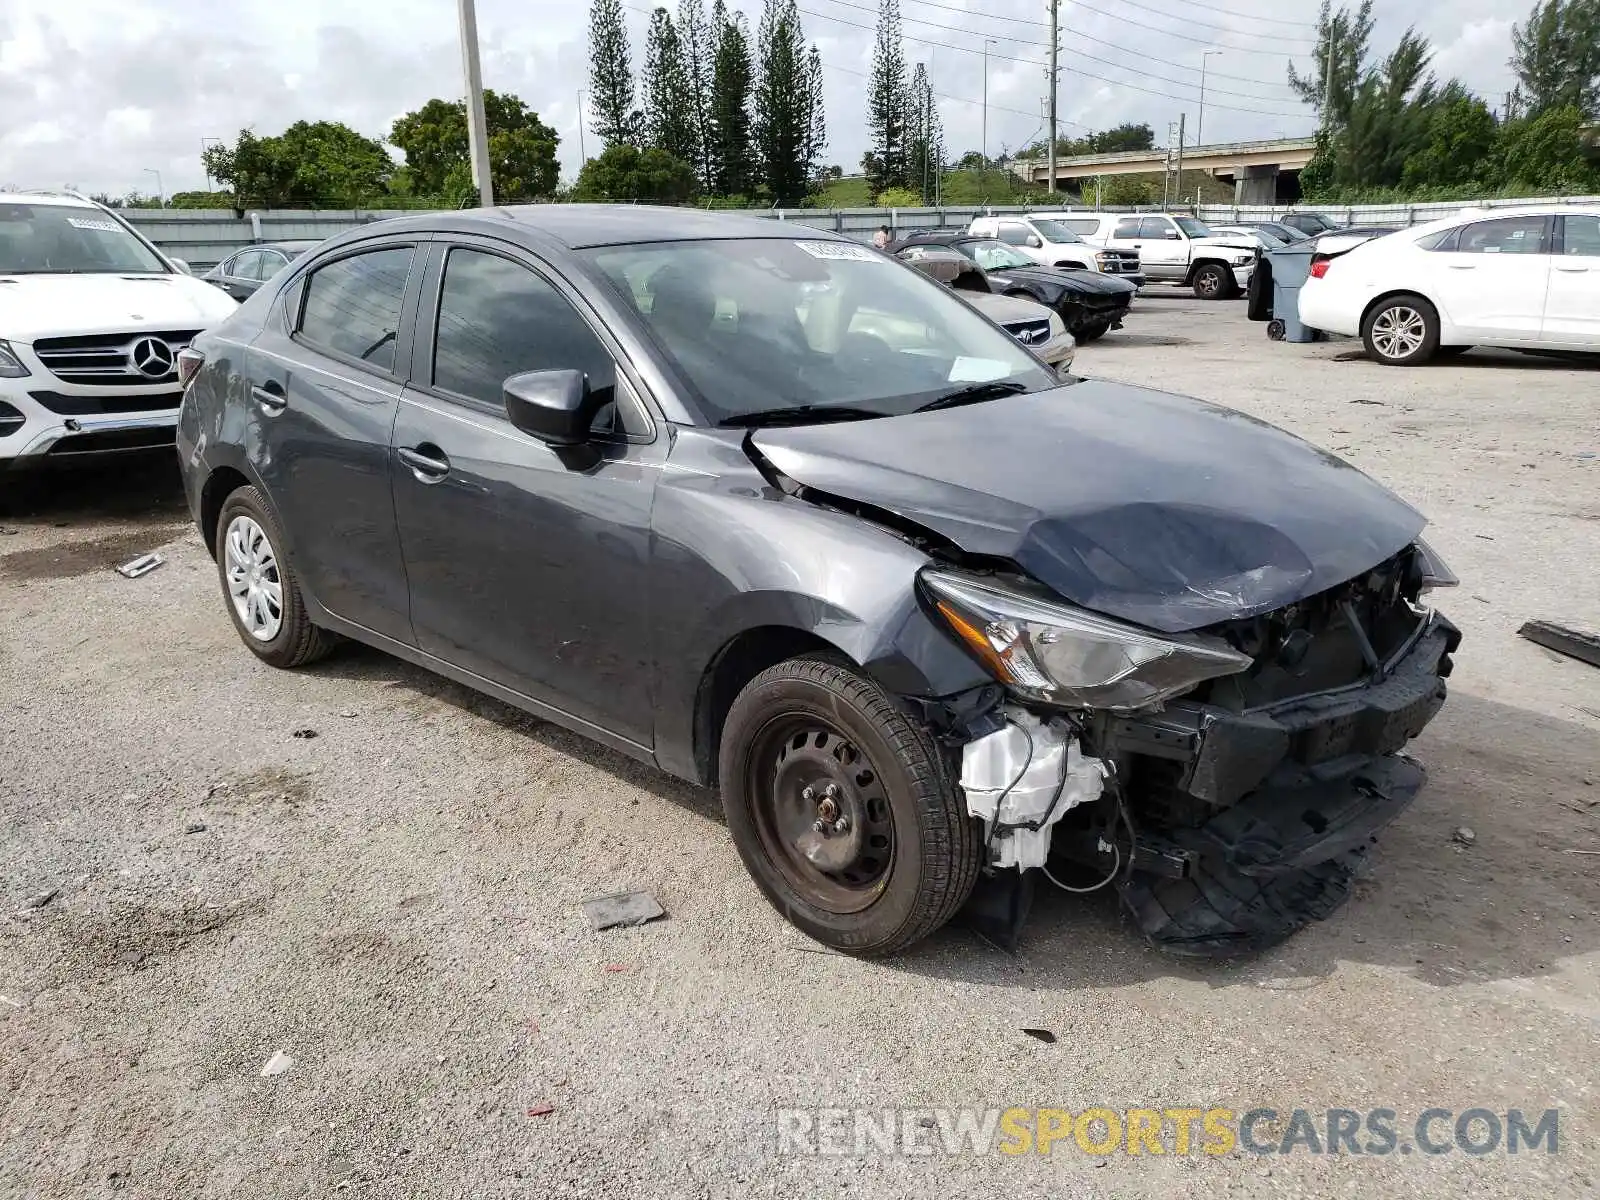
1187	37
1080	54
1228	12
993	107
1261	37
1030	62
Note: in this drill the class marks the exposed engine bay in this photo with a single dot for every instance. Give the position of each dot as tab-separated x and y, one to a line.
1232	815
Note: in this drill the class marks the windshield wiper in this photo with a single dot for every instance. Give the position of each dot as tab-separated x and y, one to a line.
803	414
975	394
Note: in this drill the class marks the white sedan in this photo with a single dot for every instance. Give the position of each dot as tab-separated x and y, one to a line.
1524	278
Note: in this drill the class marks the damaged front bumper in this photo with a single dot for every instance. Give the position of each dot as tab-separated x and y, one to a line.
1232	829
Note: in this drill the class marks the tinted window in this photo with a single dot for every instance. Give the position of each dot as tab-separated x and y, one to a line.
1083	227
1154	228
1505	235
270	264
1128	227
1444	240
1583	236
352	305
1014	233
246	265
497	319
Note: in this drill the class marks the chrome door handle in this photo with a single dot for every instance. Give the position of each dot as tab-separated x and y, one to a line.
1570	270
426	467
268	399
1463	266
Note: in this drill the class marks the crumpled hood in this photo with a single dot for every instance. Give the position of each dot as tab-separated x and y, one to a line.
1090	283
1158	509
1006	310
1228	241
36	306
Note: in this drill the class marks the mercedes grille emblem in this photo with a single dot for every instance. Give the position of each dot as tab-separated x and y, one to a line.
151	357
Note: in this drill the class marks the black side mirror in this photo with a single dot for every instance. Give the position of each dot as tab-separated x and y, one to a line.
556	407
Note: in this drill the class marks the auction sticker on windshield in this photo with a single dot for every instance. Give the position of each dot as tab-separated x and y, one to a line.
840	250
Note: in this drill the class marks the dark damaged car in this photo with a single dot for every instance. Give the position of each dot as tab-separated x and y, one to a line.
1089	303
781	516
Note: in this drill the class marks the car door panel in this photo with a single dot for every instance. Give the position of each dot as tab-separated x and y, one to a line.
528	565
319	437
1491	283
1572	303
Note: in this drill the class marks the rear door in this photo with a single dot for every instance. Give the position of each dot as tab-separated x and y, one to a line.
528	565
239	277
1491	279
1572	305
324	390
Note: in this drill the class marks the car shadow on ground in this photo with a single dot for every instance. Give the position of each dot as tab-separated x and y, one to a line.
1505	901
1495	359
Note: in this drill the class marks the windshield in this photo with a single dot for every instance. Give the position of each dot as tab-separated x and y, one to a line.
1055	231
994	255
1192	227
756	324
40	239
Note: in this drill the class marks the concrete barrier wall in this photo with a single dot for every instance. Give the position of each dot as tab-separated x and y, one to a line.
204	237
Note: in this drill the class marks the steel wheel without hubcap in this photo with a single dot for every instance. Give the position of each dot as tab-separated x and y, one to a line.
1399	332
254	582
821	813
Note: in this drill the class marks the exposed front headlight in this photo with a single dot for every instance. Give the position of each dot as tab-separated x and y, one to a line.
1239	260
10	365
1048	651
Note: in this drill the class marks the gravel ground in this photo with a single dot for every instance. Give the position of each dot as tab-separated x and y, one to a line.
394	903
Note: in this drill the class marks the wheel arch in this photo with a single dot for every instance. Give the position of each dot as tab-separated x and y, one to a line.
1392	293
219	485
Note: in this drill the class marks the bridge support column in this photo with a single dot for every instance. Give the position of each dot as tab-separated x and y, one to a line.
1256	185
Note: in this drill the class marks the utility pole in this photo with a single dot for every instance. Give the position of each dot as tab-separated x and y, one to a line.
986	44
1200	125
1180	157
927	134
583	155
1327	73
477	123
1055	49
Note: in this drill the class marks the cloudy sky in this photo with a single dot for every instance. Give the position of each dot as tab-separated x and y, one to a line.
101	94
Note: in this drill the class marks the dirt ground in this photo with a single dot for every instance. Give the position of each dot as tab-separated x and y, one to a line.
394	903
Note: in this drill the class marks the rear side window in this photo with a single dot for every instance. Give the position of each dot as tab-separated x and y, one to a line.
1084	227
497	319
352	305
1582	236
244	265
1443	241
1504	235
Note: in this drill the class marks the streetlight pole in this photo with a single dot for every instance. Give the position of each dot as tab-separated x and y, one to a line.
477	123
161	192
583	155
1200	125
1055	48
987	42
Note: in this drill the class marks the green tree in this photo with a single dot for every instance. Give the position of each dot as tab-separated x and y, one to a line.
623	172
898	198
1119	190
816	140
886	103
1557	56
924	137
310	164
522	149
668	111
1549	152
1458	146
200	200
1343	36
697	47
782	126
610	74
731	151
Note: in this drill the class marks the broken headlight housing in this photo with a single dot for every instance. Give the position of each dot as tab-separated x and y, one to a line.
1431	570
1047	651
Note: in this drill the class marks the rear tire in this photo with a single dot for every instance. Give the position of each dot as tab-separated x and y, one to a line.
260	587
814	740
1213	282
1401	331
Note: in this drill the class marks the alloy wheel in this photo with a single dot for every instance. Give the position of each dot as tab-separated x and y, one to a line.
1398	332
254	582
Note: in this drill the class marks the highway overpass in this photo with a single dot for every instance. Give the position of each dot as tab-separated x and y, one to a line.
1261	172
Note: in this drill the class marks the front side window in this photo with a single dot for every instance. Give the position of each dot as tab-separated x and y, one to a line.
46	239
1154	229
497	319
757	325
994	255
1582	236
1504	235
1014	233
1083	226
270	263
352	305
1055	231
1128	227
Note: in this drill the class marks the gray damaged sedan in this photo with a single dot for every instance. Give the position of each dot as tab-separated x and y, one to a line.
781	516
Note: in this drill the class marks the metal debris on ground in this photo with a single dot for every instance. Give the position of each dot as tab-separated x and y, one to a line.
1585	647
305	734
1464	835
195	827
277	1065
142	565
40	899
622	910
1044	1035
541	1110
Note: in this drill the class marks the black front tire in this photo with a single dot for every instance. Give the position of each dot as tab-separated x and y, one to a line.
1213	282
812	723
296	642
1092	333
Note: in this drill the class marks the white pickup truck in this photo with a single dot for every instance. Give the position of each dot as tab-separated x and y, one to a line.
1172	249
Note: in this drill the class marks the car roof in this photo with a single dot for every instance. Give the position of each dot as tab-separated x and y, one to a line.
579	226
42	197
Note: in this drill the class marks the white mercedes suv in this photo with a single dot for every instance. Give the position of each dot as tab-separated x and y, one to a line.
92	317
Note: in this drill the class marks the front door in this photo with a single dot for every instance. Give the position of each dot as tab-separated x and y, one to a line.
321	407
529	565
1572	306
1492	283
